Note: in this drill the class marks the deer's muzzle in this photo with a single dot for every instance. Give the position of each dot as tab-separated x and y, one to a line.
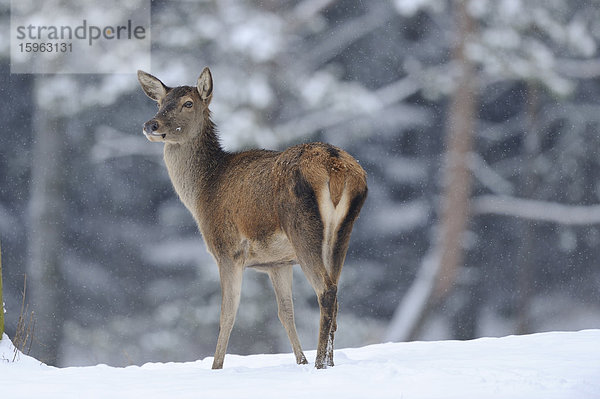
151	127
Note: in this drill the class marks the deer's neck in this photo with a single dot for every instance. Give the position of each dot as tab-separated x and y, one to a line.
193	166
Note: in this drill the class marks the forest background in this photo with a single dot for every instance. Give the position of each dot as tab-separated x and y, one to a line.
477	122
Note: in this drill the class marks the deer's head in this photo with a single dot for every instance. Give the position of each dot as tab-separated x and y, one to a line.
181	110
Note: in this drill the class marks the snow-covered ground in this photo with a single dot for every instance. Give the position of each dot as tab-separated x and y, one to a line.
545	366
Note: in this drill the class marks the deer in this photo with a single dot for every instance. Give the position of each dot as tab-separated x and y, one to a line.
260	209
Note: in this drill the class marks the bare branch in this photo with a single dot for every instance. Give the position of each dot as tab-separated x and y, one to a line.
386	98
413	307
488	176
111	143
346	34
306	11
536	210
579	69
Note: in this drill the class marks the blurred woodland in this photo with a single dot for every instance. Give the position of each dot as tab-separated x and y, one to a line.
477	121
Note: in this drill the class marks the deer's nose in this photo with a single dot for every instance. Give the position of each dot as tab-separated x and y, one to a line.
151	126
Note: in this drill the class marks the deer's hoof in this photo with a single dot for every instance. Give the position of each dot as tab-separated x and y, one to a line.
302	360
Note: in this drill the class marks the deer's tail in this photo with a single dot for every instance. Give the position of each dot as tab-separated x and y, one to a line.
338	186
340	202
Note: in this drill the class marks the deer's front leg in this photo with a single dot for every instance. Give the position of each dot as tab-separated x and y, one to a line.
281	277
231	288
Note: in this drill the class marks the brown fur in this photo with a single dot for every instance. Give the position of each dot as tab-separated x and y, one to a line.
262	209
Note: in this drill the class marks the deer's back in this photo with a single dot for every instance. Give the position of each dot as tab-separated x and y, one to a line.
243	208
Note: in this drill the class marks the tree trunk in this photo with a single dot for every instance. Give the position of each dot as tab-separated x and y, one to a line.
440	267
529	183
457	182
46	226
1	298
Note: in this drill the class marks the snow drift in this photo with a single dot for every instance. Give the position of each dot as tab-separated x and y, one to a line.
546	365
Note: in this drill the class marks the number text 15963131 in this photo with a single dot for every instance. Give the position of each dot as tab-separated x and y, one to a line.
45	47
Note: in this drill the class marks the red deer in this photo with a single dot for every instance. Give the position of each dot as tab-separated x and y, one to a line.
260	209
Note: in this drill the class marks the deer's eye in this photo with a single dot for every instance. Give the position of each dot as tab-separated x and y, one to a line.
188	104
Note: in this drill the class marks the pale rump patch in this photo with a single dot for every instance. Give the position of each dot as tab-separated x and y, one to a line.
332	217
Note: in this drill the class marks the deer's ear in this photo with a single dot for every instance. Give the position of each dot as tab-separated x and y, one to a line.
205	85
153	87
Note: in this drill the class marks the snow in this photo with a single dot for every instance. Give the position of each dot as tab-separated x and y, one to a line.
401	217
546	365
408	8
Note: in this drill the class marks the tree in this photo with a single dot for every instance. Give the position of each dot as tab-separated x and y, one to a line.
376	78
517	42
439	271
1	299
48	212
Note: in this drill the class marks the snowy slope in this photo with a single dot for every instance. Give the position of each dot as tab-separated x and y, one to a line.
548	365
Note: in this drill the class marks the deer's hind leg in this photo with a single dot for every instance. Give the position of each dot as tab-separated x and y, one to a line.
337	254
281	278
301	220
326	292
